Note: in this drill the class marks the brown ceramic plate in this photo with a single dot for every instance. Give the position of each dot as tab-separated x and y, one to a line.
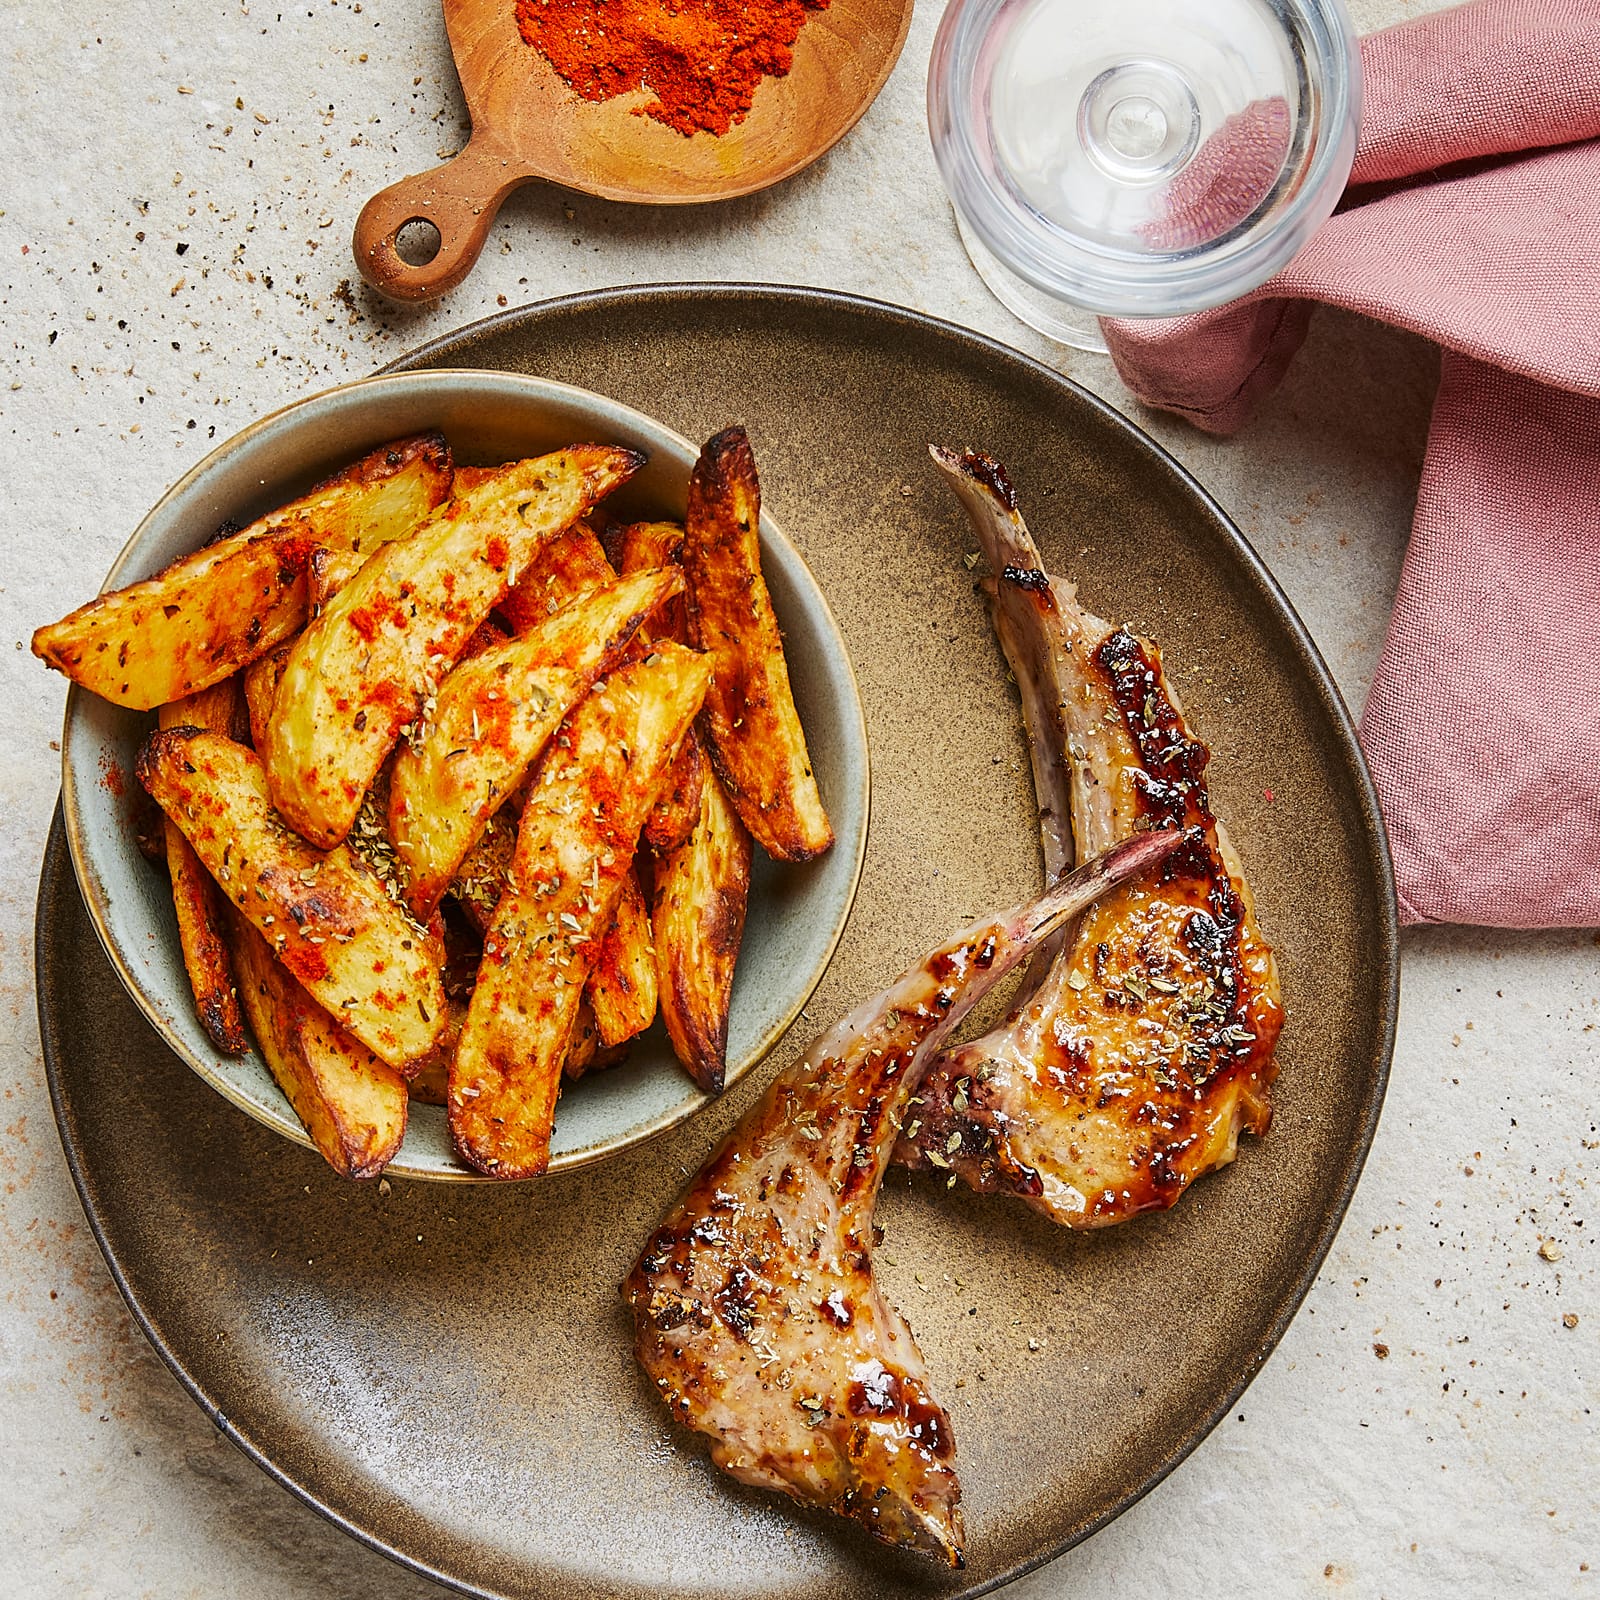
447	1373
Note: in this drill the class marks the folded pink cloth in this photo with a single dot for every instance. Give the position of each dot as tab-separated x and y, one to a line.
1472	217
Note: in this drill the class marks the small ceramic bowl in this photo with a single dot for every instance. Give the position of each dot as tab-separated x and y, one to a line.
796	914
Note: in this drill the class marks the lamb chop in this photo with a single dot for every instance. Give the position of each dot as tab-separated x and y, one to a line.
756	1310
1135	1055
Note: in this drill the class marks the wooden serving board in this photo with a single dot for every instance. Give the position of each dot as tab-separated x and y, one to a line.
528	124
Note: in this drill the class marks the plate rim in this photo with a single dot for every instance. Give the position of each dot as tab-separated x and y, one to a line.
288	1125
1387	963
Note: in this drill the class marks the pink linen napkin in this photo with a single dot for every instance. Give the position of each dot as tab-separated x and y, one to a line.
1472	217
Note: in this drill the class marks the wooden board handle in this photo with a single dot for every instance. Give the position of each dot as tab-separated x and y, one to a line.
460	199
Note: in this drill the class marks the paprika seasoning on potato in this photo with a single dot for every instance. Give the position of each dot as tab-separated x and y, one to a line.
702	60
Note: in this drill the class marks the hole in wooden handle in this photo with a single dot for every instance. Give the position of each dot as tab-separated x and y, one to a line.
417	242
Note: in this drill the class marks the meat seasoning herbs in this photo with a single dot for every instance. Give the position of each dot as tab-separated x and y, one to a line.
702	60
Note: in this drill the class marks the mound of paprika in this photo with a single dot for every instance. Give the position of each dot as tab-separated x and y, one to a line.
702	60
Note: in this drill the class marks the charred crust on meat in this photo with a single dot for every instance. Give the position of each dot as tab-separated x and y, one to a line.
837	1309
986	470
1030	578
1171	786
735	1302
1205	937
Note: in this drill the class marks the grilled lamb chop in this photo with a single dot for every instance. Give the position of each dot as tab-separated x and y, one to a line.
1128	1065
756	1310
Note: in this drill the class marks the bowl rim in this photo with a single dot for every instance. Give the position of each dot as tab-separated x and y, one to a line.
288	1125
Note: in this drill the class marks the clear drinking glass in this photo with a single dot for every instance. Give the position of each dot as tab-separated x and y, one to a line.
1139	158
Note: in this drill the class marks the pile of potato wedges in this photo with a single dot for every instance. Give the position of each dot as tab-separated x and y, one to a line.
459	780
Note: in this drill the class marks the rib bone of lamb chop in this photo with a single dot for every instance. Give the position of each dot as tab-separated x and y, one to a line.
757	1314
1142	1041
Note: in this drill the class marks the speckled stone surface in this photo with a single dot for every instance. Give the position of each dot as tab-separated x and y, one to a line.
1426	1425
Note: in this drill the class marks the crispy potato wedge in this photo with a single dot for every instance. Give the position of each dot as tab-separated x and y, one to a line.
701	893
195	896
583	1047
622	981
328	918
586	1054
220	608
642	546
486	871
586	805
261	679
493	715
567	568
217	709
487	636
673	816
471	477
352	1105
366	668
752	730
327	572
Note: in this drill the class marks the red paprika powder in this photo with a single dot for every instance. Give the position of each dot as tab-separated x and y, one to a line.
701	59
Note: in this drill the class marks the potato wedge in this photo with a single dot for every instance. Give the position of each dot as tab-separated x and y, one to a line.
622	982
327	572
195	896
493	715
352	1105
486	872
471	477
583	1045
701	893
261	679
217	709
567	568
585	1054
364	669
220	608
269	669
673	816
329	919
591	790
640	547
644	546
752	730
